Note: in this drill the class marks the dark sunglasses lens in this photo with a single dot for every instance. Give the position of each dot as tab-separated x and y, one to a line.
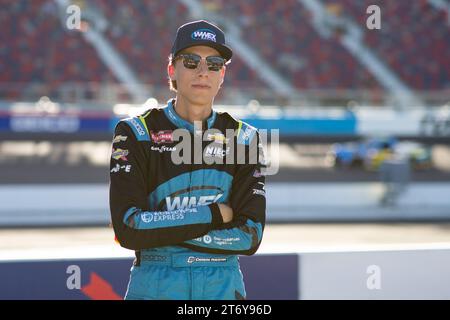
191	61
215	63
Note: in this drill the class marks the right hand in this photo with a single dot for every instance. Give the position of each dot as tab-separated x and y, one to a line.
226	211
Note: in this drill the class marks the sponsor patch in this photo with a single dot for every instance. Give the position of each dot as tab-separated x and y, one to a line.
212	151
217	137
247	133
191	202
119	138
138	127
162	136
259	192
198	259
118	167
162	149
158	216
257	174
161	216
207	239
225	241
119	154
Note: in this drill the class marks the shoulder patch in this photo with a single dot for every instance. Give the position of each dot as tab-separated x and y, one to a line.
139	127
245	133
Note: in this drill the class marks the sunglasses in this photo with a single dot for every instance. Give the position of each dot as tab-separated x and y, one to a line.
192	61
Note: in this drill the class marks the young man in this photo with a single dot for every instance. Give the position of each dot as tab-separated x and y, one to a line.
188	221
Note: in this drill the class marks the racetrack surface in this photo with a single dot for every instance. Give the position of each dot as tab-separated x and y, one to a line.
91	242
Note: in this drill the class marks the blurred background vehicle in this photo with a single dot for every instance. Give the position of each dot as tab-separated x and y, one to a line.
371	153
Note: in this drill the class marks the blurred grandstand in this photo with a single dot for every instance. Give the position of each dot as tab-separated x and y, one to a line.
292	52
338	92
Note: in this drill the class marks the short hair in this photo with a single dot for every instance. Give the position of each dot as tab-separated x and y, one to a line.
172	83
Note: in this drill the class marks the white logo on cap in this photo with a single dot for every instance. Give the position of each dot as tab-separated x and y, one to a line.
204	34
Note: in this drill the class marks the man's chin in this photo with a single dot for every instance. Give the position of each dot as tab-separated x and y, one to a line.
198	100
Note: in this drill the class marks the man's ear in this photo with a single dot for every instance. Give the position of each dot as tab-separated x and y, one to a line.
222	74
171	71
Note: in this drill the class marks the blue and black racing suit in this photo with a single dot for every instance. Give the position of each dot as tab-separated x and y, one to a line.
168	212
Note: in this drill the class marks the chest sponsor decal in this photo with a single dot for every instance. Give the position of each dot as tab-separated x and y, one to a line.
173	203
217	137
164	136
162	149
211	151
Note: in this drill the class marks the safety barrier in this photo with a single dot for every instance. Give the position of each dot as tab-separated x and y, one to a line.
414	272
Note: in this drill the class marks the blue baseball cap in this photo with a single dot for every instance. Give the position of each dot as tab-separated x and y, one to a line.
201	33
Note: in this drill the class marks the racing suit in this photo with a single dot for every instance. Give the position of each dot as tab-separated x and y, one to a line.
168	212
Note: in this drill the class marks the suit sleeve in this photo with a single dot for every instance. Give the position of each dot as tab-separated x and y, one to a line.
244	234
136	226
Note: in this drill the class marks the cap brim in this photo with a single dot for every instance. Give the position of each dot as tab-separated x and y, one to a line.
224	51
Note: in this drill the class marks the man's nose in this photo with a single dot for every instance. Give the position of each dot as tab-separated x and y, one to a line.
202	67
